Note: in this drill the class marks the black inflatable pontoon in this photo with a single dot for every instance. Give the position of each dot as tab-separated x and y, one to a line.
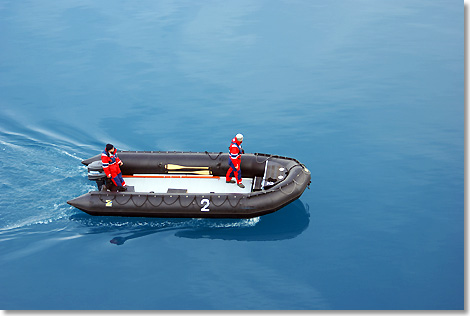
187	184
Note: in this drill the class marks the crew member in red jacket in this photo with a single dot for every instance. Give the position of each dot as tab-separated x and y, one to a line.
111	163
234	160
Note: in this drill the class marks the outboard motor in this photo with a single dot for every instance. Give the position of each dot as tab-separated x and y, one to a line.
96	173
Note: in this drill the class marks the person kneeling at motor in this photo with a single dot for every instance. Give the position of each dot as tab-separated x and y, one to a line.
234	161
111	163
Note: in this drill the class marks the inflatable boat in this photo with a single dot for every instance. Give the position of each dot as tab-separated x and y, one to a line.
193	185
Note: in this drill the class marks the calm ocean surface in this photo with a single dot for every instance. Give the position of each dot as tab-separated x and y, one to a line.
368	94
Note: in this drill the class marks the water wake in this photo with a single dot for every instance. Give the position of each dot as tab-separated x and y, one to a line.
37	178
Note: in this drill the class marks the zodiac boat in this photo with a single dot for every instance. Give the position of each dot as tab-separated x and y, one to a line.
188	184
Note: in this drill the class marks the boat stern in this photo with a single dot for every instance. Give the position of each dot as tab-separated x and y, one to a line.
81	202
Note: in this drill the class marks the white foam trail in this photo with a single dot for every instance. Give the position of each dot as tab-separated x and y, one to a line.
70	155
58	212
44	219
10	145
45	143
250	222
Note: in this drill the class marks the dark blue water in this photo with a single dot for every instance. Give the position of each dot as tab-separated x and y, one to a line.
368	94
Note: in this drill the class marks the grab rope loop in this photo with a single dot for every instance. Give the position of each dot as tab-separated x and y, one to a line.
301	180
123	198
106	197
293	184
157	197
237	200
170	197
136	197
256	159
190	202
223	197
209	154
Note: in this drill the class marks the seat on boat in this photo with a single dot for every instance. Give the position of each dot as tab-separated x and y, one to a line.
130	188
177	191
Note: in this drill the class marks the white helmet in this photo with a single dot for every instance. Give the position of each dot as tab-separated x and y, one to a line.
239	137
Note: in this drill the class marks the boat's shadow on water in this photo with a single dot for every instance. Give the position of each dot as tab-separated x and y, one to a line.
286	223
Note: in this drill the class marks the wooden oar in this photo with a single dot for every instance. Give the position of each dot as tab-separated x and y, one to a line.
204	172
179	167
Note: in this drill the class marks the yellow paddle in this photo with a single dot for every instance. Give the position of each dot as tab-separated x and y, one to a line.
178	167
202	172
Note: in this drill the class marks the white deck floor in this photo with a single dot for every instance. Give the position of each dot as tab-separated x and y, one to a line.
192	183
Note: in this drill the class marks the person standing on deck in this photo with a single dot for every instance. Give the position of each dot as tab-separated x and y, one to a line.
234	161
111	163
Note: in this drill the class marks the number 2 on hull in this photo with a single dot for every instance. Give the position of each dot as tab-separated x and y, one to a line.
205	203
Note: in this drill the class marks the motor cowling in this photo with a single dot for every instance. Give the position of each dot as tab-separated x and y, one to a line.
96	173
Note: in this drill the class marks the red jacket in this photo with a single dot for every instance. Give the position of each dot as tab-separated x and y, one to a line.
235	149
110	164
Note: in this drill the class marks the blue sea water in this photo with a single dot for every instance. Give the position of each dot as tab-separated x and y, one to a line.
369	95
